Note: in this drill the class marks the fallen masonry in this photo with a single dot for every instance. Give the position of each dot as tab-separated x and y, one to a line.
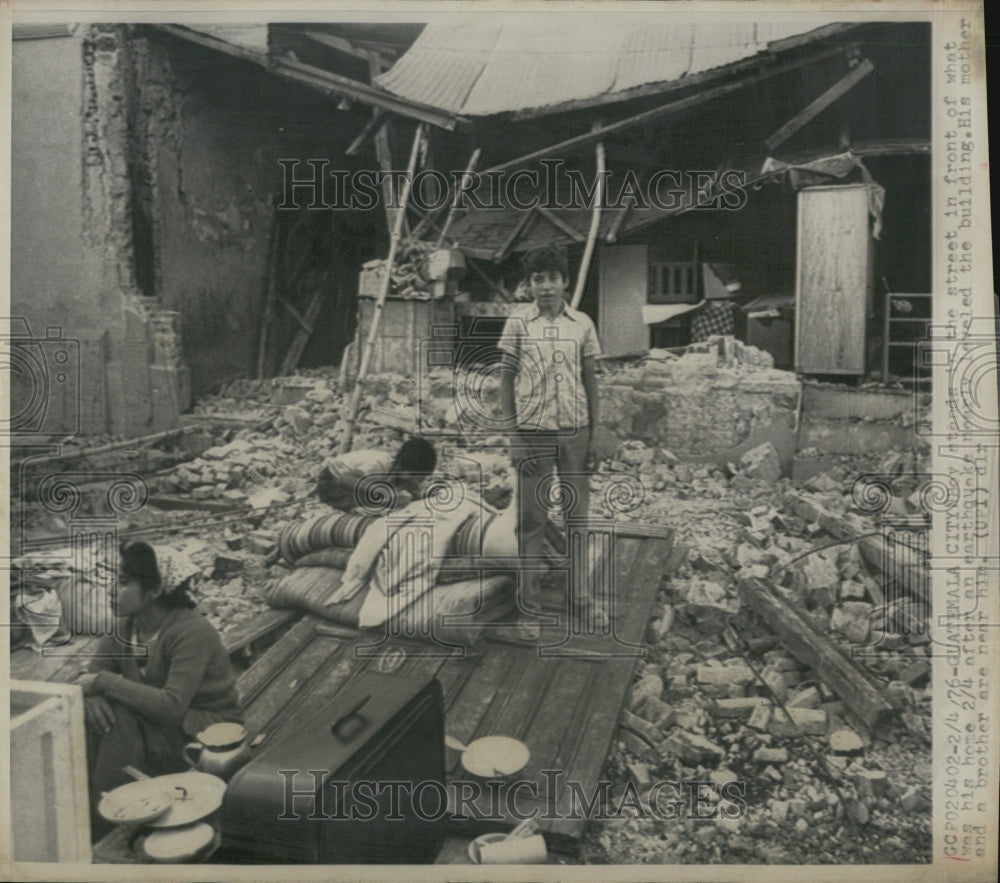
753	551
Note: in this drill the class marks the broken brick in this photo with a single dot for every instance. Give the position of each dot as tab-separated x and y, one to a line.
761	462
261	543
845	741
870	783
690	748
741	708
808	721
771	755
657	711
760	718
641	727
853	620
649	686
724	674
807	698
916	674
226	565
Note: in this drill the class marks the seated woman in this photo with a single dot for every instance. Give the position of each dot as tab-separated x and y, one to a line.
146	698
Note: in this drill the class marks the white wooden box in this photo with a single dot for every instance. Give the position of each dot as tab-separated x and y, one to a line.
50	818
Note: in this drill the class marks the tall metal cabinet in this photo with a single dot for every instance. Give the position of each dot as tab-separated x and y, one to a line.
834	280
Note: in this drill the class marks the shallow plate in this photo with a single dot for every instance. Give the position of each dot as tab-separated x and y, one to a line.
194	796
178	844
222	735
494	756
135	803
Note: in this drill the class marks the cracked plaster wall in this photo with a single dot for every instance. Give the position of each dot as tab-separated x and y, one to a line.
71	250
211	129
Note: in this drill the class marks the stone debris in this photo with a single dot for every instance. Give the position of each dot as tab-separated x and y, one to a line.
697	710
762	463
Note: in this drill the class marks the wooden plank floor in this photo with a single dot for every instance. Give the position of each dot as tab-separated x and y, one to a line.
564	707
562	696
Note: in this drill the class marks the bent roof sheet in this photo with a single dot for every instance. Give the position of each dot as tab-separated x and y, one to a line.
482	66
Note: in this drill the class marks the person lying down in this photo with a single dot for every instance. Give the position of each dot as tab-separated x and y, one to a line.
341	478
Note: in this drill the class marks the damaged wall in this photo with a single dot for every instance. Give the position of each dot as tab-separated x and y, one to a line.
210	131
700	404
71	250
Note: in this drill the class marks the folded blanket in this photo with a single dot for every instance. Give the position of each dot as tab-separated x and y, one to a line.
336	530
398	558
473	602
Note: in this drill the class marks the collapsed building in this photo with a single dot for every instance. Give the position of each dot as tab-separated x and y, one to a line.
219	308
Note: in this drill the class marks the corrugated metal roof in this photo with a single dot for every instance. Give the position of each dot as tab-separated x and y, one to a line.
488	65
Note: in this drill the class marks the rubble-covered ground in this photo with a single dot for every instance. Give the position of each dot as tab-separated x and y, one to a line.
815	789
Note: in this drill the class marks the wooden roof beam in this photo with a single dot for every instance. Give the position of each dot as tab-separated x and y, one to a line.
328	83
814	108
668	109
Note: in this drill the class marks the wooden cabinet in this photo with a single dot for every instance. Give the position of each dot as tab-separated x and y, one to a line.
622	295
834	273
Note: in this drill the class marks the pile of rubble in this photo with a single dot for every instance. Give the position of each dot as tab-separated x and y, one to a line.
705	711
816	785
412	273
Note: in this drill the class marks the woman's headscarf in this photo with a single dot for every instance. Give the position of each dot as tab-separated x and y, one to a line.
175	568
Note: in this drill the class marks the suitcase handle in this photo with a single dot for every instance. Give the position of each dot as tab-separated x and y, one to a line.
338	724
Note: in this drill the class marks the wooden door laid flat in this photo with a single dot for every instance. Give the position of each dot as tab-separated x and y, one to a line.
833	280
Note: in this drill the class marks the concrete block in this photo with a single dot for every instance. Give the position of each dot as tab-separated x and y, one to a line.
762	463
853	404
810	721
836	437
852	620
741	708
691	748
770	755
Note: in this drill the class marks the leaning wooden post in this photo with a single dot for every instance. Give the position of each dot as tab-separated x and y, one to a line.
383	292
473	162
595	220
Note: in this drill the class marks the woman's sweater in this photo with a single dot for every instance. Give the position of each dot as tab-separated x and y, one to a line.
188	679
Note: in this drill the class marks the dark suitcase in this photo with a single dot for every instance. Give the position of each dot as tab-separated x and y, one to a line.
379	730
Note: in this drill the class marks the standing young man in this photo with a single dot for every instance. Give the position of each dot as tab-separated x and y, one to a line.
548	395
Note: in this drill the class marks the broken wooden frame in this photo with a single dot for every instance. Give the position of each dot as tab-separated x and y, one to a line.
833	666
668	109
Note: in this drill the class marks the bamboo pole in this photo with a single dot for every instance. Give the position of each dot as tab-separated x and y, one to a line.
473	162
366	357
595	221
